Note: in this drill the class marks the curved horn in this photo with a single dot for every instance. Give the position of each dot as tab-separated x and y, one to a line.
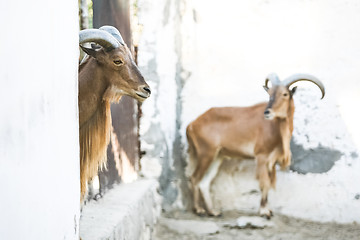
273	78
304	77
114	32
100	37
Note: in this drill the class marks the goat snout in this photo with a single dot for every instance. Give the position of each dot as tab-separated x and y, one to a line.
147	89
268	114
144	91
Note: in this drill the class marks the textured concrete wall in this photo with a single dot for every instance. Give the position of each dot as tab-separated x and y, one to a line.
39	150
225	52
159	61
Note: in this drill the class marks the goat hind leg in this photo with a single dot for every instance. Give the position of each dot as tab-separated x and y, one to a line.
196	196
205	183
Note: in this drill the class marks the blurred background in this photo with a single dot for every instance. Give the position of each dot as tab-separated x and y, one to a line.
210	53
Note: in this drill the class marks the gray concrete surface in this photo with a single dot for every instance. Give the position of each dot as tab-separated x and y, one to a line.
128	211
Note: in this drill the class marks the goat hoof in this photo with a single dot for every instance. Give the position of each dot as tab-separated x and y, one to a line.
98	196
266	213
215	213
200	212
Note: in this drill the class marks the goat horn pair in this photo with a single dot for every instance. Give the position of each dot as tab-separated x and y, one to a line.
107	36
293	79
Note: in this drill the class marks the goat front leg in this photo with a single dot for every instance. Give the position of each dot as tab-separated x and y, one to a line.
264	176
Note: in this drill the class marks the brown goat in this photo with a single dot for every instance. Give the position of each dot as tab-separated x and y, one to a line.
108	73
262	131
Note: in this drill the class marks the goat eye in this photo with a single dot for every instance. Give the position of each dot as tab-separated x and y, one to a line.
285	94
118	62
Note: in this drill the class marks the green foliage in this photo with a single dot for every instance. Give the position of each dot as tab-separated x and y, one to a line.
91	13
86	17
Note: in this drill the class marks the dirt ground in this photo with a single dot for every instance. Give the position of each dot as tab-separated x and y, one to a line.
180	225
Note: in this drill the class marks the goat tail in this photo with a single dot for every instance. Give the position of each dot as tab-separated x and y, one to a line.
192	153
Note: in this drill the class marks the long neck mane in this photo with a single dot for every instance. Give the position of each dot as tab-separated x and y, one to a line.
94	139
286	129
291	111
95	123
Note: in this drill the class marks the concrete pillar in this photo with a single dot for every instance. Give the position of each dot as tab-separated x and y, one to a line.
39	150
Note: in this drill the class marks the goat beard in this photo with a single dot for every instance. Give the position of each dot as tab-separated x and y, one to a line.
112	95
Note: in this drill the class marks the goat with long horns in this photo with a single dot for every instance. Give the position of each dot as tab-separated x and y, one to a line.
105	75
262	131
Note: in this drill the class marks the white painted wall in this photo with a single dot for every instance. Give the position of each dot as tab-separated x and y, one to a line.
39	151
227	50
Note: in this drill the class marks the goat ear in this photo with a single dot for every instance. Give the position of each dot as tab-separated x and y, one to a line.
266	88
89	51
293	90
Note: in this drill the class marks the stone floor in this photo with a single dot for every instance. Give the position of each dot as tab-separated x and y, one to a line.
180	225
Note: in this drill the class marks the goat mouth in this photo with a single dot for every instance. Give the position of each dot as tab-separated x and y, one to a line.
268	116
142	95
